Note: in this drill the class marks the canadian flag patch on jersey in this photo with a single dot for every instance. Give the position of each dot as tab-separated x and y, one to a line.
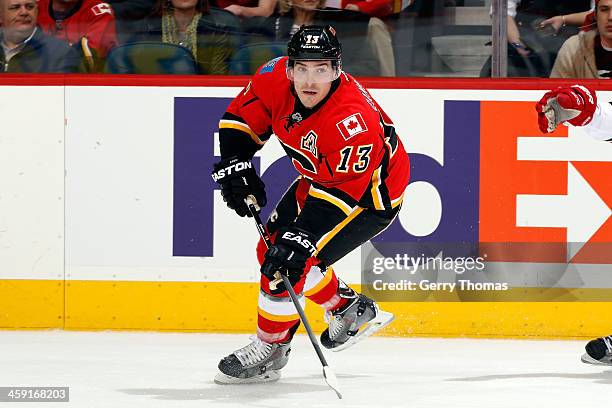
351	126
102	8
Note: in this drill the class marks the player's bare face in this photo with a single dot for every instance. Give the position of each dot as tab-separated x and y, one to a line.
604	22
312	81
18	19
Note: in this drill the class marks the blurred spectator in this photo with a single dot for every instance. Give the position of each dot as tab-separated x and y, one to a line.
190	24
24	46
532	43
132	9
378	31
129	14
87	24
247	8
373	8
353	28
589	53
558	22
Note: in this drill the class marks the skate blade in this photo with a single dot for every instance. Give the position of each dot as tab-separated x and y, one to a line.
268	376
381	320
590	360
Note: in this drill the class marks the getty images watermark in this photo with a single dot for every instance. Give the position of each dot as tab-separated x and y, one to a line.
411	265
487	271
394	272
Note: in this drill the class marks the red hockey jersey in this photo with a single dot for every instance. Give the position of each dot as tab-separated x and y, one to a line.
93	19
346	146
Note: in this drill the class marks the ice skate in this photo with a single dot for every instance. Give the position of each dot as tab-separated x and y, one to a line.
599	351
257	362
359	318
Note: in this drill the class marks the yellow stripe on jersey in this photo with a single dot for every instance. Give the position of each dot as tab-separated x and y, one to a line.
328	237
233	124
376	196
323	195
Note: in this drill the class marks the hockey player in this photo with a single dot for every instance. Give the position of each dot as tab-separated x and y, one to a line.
353	172
578	106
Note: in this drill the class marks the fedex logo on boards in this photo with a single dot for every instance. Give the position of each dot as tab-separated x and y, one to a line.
498	181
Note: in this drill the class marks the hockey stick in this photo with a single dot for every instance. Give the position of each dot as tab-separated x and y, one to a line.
328	374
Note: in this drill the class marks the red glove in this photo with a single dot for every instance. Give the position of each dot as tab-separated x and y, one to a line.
575	105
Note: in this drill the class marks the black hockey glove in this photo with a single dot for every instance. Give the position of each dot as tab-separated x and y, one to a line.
292	248
238	180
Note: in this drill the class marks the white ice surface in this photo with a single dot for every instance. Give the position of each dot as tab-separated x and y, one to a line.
129	369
